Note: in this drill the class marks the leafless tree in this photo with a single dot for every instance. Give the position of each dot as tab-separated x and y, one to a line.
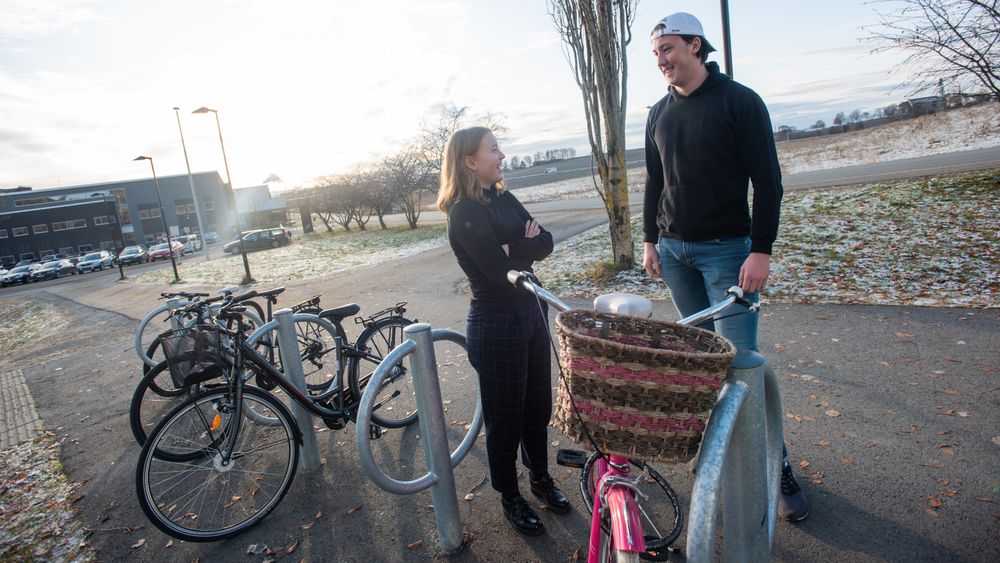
430	142
335	201
953	42
595	34
406	177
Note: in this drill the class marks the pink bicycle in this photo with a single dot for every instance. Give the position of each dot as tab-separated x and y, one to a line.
635	514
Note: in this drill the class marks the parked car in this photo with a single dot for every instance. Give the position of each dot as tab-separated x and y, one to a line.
53	269
161	252
3	270
133	255
259	239
551	170
31	263
192	243
16	275
95	261
211	237
51	257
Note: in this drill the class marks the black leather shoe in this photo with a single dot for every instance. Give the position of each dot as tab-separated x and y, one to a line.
522	516
546	489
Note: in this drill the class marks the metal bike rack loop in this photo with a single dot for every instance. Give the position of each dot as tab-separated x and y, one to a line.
733	464
440	477
291	364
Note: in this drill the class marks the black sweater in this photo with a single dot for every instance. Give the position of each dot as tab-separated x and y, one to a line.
476	233
701	151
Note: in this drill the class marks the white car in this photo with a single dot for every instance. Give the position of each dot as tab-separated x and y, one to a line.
192	243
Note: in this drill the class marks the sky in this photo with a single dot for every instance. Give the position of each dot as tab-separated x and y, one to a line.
308	88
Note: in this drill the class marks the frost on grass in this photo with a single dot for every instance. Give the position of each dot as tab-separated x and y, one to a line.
310	256
36	515
928	242
22	322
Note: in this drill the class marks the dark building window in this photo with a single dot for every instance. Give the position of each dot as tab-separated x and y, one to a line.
102	220
3	233
39	229
107	245
46	252
67	225
27	256
209	204
152	213
85	248
20	232
67	250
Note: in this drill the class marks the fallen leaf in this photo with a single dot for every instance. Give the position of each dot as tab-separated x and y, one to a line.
996	440
951	359
943	482
935	502
903	334
816	475
256	549
355	509
415	544
816	481
291	549
832	413
847	461
952	392
949	492
307	526
576	555
169	544
984	499
804	464
823	443
946	449
318	515
963	414
138	544
912	429
932	512
884	363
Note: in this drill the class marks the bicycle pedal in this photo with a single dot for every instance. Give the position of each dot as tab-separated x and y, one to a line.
335	423
374	431
571	458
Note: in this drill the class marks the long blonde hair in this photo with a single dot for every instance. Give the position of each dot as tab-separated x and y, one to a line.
457	181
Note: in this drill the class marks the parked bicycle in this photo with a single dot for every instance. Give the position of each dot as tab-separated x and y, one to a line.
323	347
224	458
635	512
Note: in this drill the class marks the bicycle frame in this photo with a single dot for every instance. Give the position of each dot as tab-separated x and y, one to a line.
615	491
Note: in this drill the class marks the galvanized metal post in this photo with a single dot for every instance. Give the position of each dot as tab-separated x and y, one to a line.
291	364
744	481
427	389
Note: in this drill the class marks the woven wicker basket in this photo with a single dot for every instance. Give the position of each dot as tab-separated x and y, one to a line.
643	389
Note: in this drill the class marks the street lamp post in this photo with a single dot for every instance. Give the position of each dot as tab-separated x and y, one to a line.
247	278
163	216
194	192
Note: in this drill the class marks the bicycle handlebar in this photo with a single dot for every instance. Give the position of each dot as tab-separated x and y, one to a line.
529	282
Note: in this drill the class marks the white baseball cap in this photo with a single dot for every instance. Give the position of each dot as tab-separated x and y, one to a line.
681	23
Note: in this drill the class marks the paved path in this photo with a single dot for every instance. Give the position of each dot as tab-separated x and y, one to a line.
19	419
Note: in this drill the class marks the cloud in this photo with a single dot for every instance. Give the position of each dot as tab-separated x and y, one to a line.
29	18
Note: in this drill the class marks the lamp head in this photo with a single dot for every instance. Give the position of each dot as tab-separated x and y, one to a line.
143	158
203	109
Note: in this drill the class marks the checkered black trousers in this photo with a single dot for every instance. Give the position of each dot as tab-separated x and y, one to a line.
509	347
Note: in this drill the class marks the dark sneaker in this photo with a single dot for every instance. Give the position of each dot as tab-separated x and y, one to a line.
546	489
522	516
792	505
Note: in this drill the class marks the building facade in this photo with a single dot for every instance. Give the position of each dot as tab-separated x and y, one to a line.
77	219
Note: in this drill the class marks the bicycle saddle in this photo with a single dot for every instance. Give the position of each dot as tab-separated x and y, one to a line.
624	304
338	314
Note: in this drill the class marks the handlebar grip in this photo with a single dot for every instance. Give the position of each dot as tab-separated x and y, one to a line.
248	295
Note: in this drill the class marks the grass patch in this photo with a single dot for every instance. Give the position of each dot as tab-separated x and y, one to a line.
919	242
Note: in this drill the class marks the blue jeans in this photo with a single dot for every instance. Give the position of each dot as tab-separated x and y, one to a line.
699	273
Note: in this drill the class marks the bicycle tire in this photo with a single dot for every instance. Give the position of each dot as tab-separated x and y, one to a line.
672	519
378	340
151	400
142	338
184	499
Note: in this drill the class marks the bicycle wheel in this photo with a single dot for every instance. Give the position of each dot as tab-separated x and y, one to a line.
396	405
153	398
147	334
662	515
207	498
319	350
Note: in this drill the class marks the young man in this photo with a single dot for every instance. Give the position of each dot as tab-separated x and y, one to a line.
705	141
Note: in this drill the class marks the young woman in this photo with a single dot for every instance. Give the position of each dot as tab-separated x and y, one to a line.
492	233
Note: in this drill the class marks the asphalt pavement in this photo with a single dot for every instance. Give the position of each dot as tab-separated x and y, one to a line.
892	414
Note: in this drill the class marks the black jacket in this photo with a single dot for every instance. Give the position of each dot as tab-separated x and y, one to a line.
476	232
701	152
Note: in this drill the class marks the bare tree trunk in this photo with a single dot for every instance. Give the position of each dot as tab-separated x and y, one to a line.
595	34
